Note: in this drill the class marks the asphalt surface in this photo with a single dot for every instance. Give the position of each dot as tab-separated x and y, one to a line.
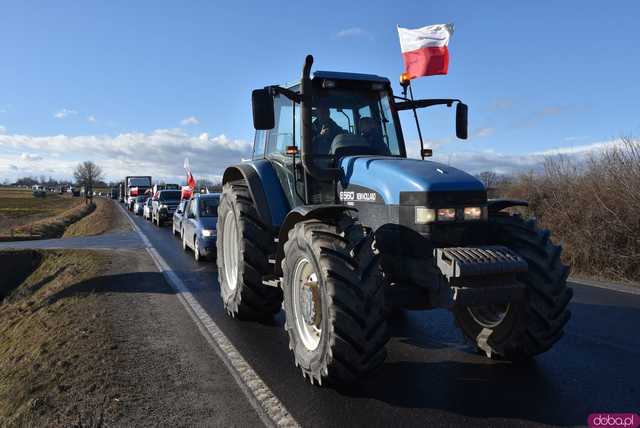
431	376
108	241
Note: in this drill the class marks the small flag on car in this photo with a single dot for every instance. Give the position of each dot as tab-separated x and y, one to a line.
425	50
191	182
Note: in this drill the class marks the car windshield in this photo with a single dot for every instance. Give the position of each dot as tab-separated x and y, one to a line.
354	118
169	195
208	207
139	182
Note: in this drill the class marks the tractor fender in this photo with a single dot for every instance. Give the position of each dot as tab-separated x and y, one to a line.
262	180
497	205
302	213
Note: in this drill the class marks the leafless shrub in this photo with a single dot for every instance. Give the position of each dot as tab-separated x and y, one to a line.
592	208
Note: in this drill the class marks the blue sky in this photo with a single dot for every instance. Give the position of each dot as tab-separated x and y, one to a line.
135	87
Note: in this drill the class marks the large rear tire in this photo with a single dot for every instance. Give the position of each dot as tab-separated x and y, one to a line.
521	330
334	301
243	245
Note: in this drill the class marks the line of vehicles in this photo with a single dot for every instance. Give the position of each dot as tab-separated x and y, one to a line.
332	222
193	216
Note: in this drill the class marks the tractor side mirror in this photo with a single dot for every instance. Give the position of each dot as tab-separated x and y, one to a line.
263	114
462	111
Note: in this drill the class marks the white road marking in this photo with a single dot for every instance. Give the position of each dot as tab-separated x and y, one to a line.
269	407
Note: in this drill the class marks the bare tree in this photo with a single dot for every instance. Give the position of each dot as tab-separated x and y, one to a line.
489	179
86	174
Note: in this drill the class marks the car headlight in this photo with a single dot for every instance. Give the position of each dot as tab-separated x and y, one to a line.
425	215
472	213
207	233
446	214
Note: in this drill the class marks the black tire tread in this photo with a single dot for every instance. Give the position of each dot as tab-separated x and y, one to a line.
253	299
547	310
358	331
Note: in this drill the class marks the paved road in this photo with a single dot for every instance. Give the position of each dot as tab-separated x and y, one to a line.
108	241
431	377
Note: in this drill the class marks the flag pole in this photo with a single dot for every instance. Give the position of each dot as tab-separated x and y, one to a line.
415	116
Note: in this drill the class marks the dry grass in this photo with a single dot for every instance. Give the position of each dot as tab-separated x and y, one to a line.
54	226
52	344
592	210
105	218
19	208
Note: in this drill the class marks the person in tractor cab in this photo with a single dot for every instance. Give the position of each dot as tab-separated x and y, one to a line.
324	130
371	132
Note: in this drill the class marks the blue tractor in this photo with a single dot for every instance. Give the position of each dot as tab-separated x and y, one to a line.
332	222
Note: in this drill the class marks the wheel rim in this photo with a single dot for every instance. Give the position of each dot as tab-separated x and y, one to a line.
489	316
230	250
307	304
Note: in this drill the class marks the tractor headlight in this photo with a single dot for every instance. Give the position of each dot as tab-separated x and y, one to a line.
425	215
472	213
208	233
446	214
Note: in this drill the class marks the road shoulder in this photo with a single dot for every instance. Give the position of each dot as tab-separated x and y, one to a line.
113	346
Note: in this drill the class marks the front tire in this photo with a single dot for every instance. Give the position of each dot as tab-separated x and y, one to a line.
334	301
521	330
243	245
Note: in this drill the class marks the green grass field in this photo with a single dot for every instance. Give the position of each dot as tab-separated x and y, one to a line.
19	207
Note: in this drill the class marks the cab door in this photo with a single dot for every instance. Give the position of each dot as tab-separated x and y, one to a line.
285	133
190	220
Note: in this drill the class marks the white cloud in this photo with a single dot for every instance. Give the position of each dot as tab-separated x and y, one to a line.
91	118
483	132
506	163
191	120
159	153
576	138
353	32
29	157
64	113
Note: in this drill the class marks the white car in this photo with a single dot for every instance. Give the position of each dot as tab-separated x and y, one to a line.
146	210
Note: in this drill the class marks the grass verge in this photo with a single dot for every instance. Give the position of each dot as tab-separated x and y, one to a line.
19	208
105	218
54	343
54	227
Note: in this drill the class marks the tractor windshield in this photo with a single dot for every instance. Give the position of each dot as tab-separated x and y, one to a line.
354	121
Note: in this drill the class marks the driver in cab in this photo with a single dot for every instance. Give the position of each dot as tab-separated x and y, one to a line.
324	130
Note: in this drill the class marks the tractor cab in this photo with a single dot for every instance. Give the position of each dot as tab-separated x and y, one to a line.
311	129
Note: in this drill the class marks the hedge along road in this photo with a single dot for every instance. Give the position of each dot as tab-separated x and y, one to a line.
431	376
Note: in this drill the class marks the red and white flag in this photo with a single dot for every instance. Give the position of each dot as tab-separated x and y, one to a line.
191	182
424	50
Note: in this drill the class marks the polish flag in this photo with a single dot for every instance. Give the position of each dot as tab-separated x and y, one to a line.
424	50
191	182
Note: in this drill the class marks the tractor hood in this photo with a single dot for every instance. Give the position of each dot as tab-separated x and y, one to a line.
388	176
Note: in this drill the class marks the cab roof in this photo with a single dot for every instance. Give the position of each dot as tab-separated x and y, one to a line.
338	75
